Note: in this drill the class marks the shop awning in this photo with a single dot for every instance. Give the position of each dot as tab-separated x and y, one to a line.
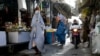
63	9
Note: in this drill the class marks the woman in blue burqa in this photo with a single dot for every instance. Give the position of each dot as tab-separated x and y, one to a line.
37	33
60	33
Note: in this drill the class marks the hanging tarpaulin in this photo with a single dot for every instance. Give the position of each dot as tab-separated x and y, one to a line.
63	9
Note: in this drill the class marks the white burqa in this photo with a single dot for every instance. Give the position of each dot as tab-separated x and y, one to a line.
37	33
62	17
96	39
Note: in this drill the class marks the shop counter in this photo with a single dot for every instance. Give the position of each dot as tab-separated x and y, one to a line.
18	36
3	40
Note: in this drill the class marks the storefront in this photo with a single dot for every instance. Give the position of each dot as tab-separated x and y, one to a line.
16	32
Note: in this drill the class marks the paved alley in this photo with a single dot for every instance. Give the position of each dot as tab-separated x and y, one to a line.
67	50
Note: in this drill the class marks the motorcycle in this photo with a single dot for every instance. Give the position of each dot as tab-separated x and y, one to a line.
75	37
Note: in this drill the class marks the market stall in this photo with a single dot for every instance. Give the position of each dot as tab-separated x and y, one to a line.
3	41
17	34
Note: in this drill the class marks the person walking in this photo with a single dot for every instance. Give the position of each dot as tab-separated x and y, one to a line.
37	33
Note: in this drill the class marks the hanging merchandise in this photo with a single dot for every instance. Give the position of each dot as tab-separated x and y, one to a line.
41	6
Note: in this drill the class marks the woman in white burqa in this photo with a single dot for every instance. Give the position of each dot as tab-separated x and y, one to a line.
37	33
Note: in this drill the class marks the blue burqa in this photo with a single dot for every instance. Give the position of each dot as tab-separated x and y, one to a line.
60	33
37	33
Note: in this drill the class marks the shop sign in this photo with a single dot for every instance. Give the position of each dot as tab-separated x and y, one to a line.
45	4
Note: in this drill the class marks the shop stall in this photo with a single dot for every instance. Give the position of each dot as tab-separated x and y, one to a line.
14	38
17	34
3	41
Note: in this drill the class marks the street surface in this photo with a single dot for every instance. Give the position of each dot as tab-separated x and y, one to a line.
67	50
